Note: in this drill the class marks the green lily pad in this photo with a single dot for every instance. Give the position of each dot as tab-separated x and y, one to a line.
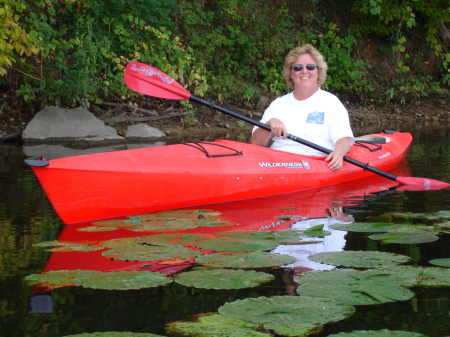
379	333
235	245
220	325
59	246
287	310
119	243
418	229
353	287
120	223
404	238
421	216
171	240
214	325
164	225
443	227
58	277
97	229
114	334
366	227
316	231
123	280
445	262
360	259
429	276
151	253
281	237
256	259
182	213
222	278
294	330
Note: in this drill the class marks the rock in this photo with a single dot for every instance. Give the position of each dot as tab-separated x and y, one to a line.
262	103
139	132
12	137
53	125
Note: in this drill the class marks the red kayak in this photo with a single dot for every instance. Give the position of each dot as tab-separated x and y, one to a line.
106	185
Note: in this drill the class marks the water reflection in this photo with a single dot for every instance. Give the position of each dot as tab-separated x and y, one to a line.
26	218
296	211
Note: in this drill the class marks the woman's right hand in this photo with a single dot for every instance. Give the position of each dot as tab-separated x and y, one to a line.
277	128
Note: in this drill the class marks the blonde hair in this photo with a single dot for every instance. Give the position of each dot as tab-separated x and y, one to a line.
296	52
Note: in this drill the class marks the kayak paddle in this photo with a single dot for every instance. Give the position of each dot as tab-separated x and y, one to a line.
150	81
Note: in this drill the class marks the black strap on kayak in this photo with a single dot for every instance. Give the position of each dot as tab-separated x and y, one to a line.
375	146
362	141
199	146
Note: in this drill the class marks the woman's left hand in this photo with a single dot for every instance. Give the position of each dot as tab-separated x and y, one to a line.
336	158
336	161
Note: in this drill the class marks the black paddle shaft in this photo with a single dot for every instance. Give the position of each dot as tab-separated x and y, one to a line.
292	137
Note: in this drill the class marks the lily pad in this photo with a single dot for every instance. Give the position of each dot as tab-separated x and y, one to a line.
164	225
353	287
60	246
256	259
151	253
429	276
116	223
316	231
421	216
214	325
220	325
114	334
360	259
97	229
287	310
444	262
123	280
379	333
119	243
366	227
171	240
58	277
404	238
281	237
222	278
443	227
236	245
295	330
418	229
186	214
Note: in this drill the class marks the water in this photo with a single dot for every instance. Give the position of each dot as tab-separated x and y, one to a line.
26	218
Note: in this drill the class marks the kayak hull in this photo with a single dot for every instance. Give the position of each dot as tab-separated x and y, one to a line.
106	185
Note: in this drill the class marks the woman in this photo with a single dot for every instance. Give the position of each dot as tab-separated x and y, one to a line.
307	112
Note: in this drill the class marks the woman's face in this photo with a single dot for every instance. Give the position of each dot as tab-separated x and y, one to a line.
304	79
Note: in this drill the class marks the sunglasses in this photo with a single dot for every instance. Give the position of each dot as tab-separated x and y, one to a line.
309	66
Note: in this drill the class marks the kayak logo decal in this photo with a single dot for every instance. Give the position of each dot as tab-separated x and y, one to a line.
288	165
387	154
152	72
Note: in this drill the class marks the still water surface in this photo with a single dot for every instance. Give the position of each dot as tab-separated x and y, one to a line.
27	218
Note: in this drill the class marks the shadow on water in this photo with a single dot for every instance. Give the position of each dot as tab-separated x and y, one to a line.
27	218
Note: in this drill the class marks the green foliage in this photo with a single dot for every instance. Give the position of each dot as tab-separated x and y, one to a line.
73	52
405	23
344	72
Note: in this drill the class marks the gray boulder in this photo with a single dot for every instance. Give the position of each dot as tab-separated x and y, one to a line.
55	125
140	132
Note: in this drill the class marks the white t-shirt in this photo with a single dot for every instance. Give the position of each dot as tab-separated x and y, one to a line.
321	119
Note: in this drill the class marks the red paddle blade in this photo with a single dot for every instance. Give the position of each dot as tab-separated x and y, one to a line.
150	81
420	184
